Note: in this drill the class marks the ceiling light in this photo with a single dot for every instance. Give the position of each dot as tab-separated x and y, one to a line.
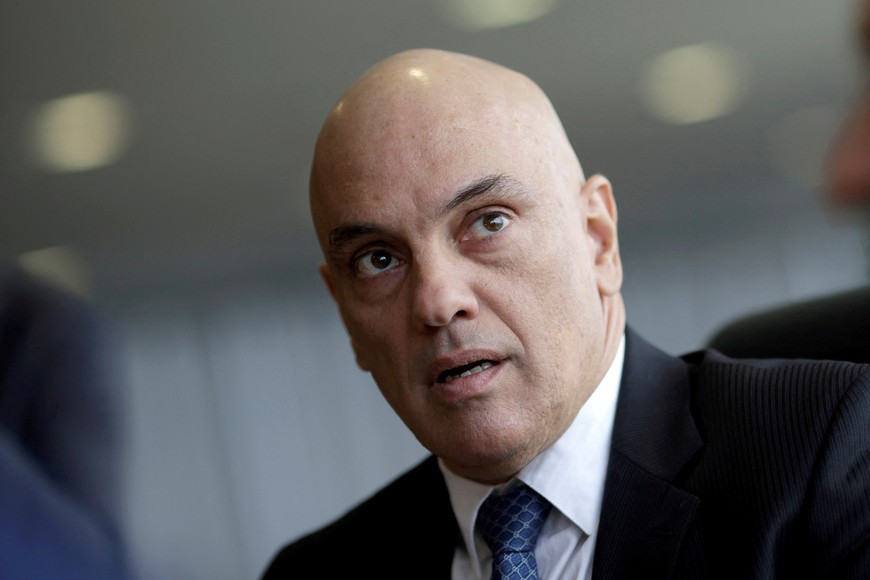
482	14
60	266
80	132
693	84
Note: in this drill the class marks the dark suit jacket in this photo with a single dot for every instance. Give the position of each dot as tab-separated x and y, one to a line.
718	469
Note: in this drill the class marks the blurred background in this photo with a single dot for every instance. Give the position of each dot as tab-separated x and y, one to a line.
154	159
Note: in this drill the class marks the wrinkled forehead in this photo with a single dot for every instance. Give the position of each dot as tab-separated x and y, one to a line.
429	125
390	134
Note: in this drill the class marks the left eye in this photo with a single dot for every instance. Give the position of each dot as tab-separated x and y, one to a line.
489	224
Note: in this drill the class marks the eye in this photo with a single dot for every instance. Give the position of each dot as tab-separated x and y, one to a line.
489	224
374	262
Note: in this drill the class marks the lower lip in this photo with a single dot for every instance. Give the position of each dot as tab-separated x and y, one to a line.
467	387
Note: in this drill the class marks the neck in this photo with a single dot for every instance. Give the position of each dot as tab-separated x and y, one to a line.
614	328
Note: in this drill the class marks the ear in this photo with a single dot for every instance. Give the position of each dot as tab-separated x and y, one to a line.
601	228
330	284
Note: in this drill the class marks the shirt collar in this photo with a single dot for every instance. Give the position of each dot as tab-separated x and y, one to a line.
569	474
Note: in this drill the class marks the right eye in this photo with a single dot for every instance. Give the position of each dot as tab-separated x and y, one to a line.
374	262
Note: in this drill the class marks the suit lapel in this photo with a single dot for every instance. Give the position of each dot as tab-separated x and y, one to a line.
644	516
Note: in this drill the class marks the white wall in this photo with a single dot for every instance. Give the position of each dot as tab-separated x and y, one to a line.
249	424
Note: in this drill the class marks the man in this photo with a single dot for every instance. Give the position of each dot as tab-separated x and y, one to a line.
477	272
833	327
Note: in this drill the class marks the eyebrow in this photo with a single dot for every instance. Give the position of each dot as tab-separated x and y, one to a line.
341	236
481	187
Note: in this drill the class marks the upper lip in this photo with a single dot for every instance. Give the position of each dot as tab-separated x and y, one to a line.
459	359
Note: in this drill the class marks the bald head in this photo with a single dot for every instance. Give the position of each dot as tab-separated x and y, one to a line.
459	231
431	106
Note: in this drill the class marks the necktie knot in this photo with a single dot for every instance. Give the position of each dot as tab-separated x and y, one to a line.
510	525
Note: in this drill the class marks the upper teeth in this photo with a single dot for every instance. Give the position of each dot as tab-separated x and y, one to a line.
474	370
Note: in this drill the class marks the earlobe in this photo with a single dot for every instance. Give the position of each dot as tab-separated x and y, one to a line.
601	218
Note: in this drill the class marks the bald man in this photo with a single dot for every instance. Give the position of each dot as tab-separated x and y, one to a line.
832	327
477	271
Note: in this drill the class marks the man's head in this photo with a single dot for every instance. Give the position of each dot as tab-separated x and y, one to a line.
850	158
475	268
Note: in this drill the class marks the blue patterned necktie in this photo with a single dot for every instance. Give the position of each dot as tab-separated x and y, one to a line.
510	524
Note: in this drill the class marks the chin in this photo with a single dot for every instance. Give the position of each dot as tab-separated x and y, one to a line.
487	459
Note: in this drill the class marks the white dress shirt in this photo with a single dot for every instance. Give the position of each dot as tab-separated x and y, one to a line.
569	474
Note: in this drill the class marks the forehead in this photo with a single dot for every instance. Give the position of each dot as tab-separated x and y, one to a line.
415	157
420	126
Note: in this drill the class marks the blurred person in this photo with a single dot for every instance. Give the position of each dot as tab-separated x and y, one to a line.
833	327
477	272
59	438
849	173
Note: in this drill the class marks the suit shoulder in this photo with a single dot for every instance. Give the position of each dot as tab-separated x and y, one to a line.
790	372
786	460
792	398
389	517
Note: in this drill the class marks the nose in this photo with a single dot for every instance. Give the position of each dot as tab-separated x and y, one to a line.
850	158
441	292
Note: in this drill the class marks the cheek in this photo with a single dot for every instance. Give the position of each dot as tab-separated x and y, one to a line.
378	347
563	280
562	311
373	335
371	330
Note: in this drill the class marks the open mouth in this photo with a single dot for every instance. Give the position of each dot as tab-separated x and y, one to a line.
473	368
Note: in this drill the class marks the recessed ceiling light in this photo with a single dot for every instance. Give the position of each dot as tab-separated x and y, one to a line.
80	132
693	83
483	14
58	265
